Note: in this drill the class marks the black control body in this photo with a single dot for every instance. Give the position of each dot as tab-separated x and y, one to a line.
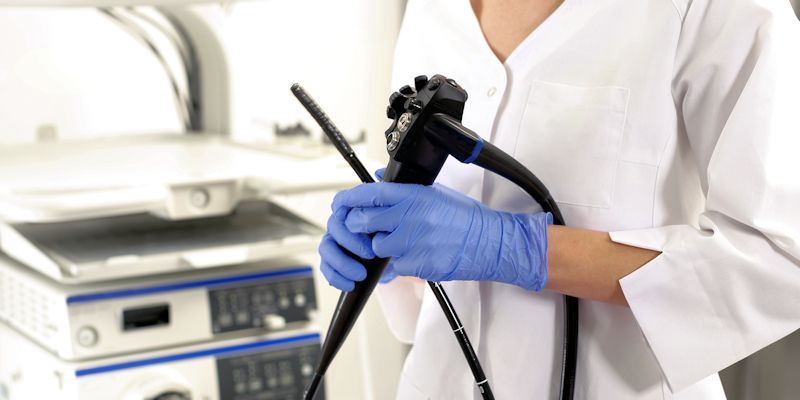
413	157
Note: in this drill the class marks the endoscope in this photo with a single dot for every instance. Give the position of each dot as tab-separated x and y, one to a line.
426	128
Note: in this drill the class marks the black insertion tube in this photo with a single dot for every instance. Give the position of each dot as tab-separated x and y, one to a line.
493	159
460	142
333	133
351	303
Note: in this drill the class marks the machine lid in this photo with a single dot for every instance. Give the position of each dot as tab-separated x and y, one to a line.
172	176
135	245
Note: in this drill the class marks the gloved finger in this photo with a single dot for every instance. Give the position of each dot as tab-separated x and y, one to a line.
335	279
379	174
375	219
381	194
387	245
356	243
342	263
388	274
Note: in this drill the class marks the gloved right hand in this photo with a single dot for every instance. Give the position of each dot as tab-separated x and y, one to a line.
433	233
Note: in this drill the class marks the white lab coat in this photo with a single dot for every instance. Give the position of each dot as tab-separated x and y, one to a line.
673	124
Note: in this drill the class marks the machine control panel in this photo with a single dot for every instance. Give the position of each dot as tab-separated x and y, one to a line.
270	305
274	375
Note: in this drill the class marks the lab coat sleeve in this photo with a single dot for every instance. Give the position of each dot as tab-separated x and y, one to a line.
728	285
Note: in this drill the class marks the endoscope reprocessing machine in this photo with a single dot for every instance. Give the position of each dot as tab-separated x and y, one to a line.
426	128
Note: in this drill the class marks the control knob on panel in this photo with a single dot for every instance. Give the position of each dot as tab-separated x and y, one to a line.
171	395
166	386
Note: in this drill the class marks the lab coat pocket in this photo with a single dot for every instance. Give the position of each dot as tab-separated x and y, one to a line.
570	137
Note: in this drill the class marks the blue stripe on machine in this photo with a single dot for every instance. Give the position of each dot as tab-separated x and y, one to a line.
84	298
197	354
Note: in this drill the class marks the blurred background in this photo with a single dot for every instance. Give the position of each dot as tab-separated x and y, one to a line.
75	74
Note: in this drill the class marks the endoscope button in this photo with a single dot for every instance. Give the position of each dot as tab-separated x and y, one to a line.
407	90
404	122
420	82
392	141
396	101
434	84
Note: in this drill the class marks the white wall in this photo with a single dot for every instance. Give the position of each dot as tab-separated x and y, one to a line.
75	69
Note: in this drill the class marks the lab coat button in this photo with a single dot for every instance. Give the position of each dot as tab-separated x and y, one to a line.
491	92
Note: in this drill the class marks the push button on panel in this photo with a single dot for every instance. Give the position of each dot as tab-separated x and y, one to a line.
271	305
87	336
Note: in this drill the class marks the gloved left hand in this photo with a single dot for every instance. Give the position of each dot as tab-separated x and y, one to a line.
436	234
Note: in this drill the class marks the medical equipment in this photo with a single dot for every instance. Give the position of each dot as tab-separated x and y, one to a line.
79	322
276	366
426	129
130	206
337	138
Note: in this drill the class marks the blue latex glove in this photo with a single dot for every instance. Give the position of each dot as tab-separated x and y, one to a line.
347	271
436	234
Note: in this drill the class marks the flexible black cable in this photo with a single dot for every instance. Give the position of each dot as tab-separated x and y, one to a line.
165	30
182	43
194	95
493	159
339	141
460	142
182	104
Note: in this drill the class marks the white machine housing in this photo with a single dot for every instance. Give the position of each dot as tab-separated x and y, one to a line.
265	367
97	320
65	206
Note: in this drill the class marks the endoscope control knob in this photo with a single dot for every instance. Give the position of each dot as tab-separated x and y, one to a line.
393	98
390	112
397	102
420	82
407	91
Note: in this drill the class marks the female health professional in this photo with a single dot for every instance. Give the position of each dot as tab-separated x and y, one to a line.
669	133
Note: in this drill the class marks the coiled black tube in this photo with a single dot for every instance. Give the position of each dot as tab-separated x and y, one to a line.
493	159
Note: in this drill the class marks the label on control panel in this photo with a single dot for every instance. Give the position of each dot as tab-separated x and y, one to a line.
269	305
281	374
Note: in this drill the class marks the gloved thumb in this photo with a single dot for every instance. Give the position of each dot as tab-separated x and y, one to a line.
379	174
388	274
